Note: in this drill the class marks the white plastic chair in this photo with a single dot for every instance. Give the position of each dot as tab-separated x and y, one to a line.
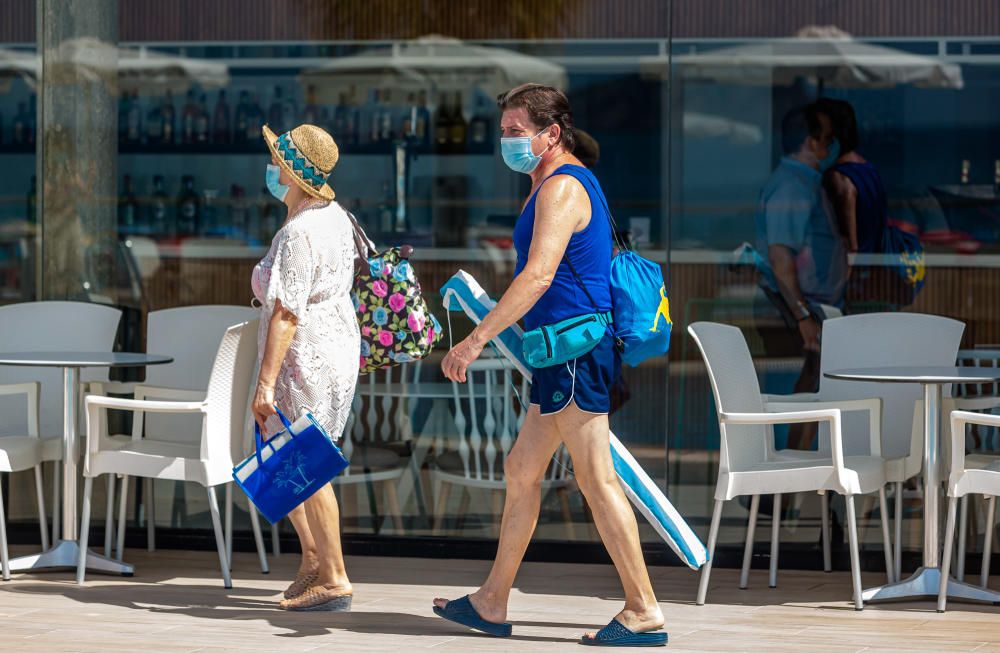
209	460
48	326
487	419
191	336
873	340
976	398
19	453
963	481
745	466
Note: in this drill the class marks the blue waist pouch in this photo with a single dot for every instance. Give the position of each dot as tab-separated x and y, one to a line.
554	344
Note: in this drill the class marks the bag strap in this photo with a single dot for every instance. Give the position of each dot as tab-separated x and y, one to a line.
362	243
587	179
580	281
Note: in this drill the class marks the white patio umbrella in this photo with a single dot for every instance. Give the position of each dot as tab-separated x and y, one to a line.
706	125
92	59
829	56
435	63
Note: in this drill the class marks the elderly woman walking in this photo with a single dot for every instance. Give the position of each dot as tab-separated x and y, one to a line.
309	340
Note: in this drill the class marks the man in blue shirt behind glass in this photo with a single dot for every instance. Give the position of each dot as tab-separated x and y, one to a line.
805	254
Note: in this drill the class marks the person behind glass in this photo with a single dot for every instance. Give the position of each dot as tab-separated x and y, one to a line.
561	219
853	183
309	340
804	251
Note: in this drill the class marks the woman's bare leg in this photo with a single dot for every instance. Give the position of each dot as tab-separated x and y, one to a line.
323	515
300	523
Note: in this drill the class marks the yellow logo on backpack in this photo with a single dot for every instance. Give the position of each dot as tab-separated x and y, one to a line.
663	310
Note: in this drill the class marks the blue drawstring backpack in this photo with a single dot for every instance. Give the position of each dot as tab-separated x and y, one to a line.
640	305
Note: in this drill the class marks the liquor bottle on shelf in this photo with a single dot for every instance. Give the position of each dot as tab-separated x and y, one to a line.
310	113
422	125
188	208
267	216
324	118
154	123
188	119
338	126
128	208
457	128
208	223
963	175
239	218
442	122
240	120
353	118
386	120
168	119
274	112
133	121
372	117
479	128
385	213
996	177
408	126
201	127
32	208
221	132
255	119
158	222
20	125
288	112
357	211
281	115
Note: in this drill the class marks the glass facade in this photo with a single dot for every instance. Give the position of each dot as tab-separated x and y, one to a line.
144	126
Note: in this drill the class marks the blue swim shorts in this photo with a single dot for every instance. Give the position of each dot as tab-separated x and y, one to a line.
587	380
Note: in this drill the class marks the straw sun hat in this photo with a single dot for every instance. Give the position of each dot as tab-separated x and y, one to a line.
308	154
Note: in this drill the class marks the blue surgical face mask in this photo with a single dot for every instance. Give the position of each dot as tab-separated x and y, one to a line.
517	154
832	154
272	178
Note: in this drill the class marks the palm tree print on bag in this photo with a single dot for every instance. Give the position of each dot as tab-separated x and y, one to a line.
293	474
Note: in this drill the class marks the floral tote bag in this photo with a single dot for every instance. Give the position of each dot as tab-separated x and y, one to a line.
396	326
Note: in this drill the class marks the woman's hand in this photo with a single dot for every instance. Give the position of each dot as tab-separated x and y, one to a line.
263	404
459	358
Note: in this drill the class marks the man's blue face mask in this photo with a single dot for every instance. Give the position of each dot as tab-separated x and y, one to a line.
517	154
832	154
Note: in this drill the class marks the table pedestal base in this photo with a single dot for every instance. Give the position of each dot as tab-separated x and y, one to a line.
926	582
65	554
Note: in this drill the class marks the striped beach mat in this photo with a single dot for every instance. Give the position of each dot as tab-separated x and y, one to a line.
462	293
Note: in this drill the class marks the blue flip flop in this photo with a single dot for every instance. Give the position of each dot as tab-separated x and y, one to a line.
616	634
461	612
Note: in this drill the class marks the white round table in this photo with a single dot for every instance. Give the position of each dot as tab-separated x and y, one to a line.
66	551
926	580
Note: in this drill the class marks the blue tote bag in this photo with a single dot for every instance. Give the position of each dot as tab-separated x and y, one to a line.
289	467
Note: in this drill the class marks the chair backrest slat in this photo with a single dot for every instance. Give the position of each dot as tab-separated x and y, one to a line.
884	339
736	390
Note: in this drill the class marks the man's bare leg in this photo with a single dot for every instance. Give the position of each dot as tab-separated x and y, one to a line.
524	469
587	437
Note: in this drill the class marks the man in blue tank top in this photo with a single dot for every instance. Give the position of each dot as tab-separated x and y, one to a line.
564	246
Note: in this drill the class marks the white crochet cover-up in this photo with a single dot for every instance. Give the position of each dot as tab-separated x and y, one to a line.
310	268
